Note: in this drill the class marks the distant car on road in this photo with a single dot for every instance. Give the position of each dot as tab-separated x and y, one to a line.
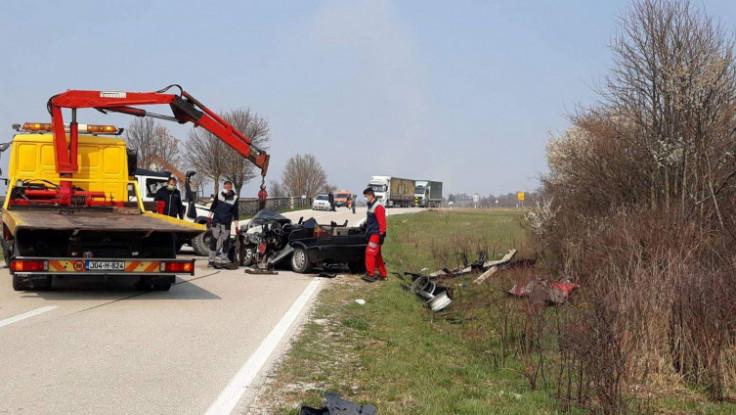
321	202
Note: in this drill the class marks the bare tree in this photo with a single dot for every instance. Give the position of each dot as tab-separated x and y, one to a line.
207	154
674	85
327	188
303	175
642	189
152	141
214	159
276	189
237	168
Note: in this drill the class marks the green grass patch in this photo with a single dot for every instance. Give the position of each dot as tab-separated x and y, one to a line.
395	353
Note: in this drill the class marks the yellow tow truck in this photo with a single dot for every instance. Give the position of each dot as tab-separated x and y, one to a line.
41	241
73	206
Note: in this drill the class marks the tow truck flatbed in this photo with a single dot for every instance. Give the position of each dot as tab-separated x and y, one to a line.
104	220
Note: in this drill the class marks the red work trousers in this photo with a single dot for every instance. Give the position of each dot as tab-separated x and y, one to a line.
373	257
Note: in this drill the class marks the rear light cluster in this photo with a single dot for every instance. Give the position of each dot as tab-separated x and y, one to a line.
29	265
178	267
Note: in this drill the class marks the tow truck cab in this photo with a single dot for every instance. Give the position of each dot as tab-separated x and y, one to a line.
42	239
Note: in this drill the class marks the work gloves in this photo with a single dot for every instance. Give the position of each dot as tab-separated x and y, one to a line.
381	238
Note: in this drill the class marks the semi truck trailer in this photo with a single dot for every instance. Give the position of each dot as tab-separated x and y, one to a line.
427	193
393	191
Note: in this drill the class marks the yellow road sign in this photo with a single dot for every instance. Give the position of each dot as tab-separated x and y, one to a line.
520	196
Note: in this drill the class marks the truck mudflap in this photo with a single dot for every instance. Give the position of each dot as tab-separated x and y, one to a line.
100	266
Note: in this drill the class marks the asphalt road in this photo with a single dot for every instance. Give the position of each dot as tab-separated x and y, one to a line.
90	347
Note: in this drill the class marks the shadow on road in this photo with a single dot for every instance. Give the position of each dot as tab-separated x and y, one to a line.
119	288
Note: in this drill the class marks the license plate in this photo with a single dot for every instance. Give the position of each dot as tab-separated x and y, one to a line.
105	265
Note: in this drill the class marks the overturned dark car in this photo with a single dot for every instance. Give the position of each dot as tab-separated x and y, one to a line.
270	240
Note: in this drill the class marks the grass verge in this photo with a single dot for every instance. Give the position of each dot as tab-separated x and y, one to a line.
395	353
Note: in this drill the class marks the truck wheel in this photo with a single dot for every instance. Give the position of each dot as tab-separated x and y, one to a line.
20	283
201	244
41	284
155	283
7	252
300	261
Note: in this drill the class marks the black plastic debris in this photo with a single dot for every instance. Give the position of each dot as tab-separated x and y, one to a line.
325	274
335	405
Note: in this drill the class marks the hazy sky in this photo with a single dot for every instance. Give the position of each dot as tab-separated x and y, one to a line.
466	92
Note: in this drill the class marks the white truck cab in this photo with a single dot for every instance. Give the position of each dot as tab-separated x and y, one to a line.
380	186
420	193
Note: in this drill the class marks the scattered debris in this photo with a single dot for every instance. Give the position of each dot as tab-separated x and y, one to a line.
540	290
436	296
480	265
260	271
325	274
338	406
494	266
440	301
360	301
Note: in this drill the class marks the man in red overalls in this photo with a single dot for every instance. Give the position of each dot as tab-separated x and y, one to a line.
375	225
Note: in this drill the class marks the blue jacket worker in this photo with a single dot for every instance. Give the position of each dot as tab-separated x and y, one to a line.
223	214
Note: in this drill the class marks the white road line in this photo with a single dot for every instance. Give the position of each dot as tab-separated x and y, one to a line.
10	320
229	397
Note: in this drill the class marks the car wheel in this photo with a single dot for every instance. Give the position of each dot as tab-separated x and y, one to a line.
300	261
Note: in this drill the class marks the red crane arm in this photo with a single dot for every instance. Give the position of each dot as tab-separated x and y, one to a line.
185	108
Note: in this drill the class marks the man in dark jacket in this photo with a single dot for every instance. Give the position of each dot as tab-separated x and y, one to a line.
168	200
331	199
223	213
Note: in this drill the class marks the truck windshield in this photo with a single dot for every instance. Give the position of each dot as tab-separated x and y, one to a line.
378	187
342	196
419	190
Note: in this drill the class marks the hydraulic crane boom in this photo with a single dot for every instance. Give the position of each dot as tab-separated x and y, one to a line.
185	108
